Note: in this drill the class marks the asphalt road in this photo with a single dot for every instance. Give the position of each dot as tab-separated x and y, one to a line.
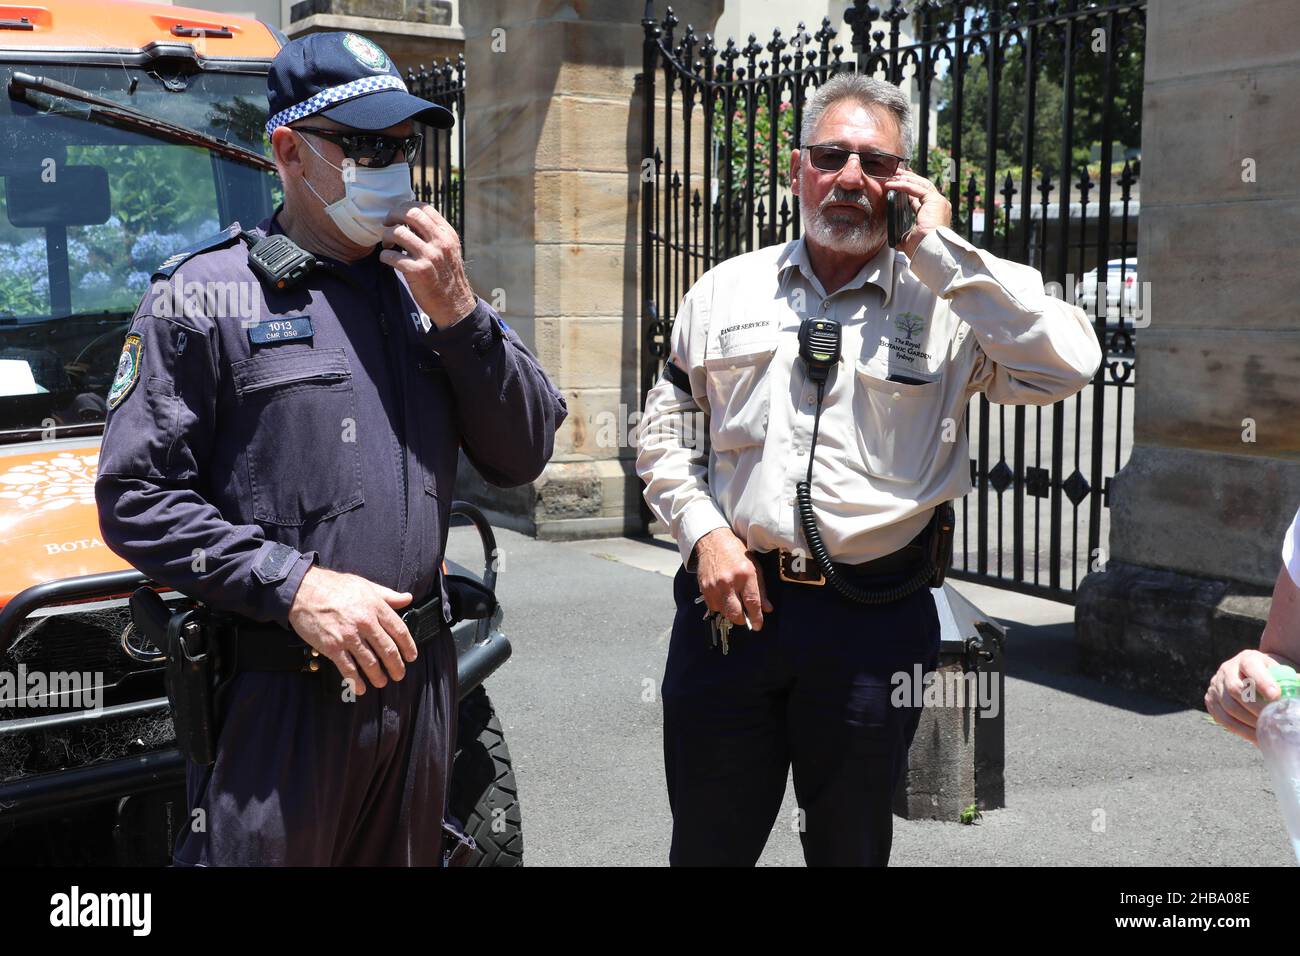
1095	776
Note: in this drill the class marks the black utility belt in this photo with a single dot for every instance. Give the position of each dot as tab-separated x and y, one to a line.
205	648
929	551
798	568
251	646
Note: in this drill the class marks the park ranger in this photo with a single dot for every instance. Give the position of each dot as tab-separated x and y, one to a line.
294	467
833	372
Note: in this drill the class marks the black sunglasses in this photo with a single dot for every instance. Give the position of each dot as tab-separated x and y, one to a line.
370	149
831	159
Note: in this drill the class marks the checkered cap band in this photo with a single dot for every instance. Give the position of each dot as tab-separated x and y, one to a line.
335	94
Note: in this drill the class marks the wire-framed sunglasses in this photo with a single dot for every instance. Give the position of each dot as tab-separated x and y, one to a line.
877	165
370	150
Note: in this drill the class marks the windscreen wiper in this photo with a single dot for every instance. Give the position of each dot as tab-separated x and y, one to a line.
22	85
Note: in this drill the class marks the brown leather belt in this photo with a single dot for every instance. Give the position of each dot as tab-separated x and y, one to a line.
798	568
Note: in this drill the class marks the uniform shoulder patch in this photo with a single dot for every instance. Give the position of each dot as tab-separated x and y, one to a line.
215	241
276	561
128	370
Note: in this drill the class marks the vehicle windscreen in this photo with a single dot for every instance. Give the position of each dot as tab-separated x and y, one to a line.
89	211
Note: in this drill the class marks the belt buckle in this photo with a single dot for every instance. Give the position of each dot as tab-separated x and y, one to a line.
417	619
311	659
786	563
411	618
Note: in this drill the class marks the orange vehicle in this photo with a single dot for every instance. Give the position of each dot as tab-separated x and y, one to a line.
128	131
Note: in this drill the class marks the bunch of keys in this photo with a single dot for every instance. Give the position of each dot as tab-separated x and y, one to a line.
719	625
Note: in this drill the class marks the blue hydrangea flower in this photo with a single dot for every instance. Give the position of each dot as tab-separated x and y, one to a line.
78	256
28	258
108	233
95	281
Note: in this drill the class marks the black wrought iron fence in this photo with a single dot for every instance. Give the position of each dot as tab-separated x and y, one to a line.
438	174
1031	114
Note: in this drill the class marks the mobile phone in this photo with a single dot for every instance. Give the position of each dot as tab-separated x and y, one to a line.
898	215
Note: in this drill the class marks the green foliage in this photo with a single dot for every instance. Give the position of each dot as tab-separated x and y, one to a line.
241	121
1089	104
155	189
162	199
1012	127
19	294
739	146
971	814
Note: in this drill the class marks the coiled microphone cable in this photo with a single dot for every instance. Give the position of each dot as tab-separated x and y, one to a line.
819	347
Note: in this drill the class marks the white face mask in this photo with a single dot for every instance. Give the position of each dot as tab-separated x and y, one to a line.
368	195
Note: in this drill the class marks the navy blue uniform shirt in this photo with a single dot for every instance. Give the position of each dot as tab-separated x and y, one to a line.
252	430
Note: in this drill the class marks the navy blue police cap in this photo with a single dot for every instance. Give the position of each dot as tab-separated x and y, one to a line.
346	78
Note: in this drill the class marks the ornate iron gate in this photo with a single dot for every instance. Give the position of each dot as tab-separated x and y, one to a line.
1031	112
438	176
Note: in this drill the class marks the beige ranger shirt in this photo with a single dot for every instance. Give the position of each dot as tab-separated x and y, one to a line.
953	321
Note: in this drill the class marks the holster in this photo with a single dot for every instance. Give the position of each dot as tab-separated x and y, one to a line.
942	530
190	674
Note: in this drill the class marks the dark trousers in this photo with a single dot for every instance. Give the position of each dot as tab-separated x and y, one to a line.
812	689
306	778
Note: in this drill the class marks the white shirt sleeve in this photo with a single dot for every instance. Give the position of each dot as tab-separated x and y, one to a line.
1291	549
673	454
1031	348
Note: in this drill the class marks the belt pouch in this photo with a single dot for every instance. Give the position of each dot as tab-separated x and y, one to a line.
942	531
190	679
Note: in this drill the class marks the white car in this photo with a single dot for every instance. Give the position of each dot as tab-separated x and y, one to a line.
1122	296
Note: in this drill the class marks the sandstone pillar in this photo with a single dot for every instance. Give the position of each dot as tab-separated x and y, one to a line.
553	141
1198	513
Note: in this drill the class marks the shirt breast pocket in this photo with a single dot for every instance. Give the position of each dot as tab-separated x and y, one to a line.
299	406
740	394
899	425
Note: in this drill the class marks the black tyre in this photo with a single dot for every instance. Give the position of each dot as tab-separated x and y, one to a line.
484	795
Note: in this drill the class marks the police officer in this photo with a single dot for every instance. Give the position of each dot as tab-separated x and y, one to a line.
295	467
805	677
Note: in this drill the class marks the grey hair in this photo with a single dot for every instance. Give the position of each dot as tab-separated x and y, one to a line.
869	92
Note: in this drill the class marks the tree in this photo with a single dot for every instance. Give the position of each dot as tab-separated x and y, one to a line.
738	149
1088	66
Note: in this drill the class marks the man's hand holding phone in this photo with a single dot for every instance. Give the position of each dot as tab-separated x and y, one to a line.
423	246
929	206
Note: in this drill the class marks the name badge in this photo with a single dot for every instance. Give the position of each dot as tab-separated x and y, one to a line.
280	330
